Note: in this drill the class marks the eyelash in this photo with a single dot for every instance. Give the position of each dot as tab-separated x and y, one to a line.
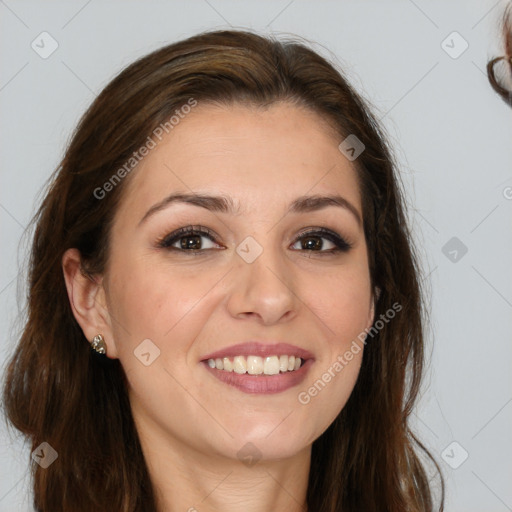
167	241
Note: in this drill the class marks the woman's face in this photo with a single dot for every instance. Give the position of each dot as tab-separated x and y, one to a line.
256	272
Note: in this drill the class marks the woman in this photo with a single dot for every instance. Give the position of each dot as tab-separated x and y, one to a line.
227	231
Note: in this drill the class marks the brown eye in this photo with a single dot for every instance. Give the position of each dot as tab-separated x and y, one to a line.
189	239
323	241
314	243
190	242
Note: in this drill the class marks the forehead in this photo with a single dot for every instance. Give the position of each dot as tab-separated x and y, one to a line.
252	154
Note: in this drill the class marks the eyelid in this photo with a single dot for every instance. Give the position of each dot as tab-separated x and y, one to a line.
192	230
341	242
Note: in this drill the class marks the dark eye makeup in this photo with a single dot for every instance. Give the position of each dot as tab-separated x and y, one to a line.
188	240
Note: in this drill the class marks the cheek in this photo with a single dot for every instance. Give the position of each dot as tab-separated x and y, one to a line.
158	302
342	301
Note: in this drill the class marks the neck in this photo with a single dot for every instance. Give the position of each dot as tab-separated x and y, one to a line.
187	480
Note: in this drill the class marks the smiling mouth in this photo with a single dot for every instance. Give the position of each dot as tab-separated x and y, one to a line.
252	378
257	365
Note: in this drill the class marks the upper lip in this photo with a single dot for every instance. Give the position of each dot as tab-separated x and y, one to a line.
255	348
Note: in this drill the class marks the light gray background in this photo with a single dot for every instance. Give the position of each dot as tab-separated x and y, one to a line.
451	133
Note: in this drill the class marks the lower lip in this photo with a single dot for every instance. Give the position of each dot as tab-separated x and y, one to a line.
263	384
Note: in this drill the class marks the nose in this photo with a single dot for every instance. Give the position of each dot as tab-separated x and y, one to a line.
263	289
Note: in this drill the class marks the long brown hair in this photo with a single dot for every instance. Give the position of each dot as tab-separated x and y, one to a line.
59	392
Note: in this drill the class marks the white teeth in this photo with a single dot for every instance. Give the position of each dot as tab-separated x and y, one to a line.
256	365
240	364
228	365
271	365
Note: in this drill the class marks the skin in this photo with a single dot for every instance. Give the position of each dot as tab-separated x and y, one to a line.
191	425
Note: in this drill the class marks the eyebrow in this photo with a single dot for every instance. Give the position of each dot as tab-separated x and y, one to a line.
225	204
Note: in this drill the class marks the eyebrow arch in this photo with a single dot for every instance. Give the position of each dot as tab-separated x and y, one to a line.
225	204
305	204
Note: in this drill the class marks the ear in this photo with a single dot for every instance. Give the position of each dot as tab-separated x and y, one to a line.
88	301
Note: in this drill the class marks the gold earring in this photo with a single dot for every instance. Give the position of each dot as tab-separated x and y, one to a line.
98	344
